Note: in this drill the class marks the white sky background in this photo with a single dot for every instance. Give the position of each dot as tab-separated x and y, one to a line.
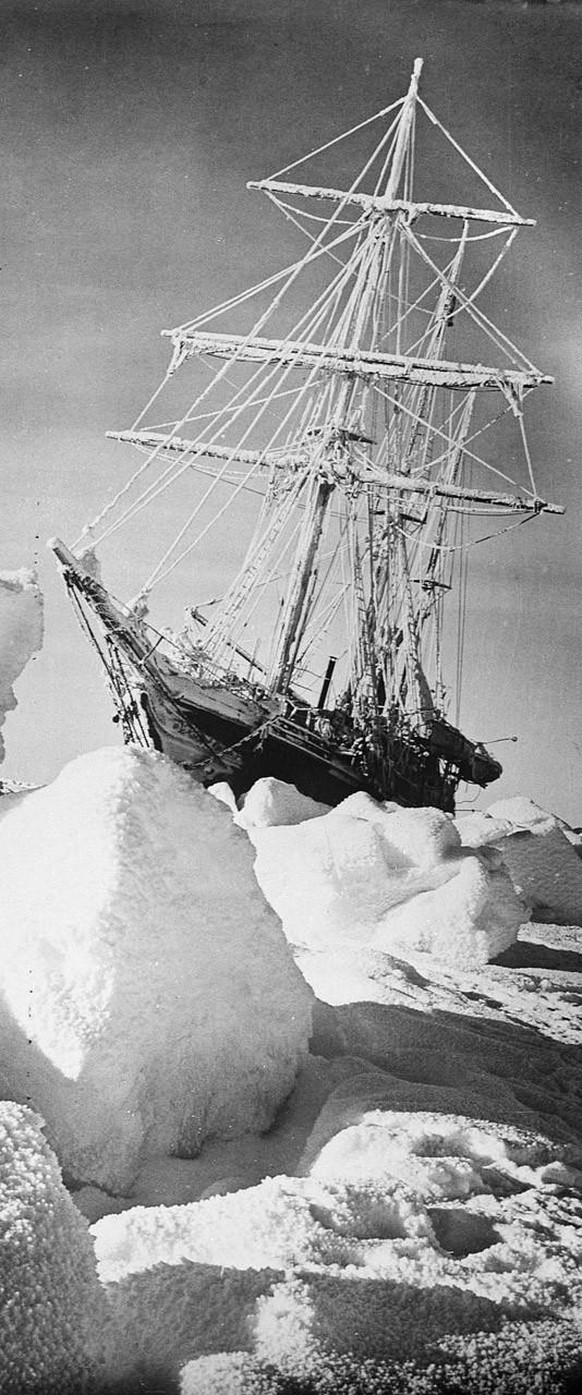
128	133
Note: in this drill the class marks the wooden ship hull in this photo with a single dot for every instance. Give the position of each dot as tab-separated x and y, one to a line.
223	729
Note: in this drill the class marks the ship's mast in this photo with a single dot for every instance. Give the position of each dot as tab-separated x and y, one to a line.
304	575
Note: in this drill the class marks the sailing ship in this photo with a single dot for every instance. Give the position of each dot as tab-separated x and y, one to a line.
329	441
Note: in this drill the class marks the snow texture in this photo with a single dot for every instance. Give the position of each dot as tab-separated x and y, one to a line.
52	1304
391	879
21	632
411	1227
542	861
271	802
413	1219
149	999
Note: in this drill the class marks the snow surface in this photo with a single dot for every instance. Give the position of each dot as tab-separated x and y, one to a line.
21	632
149	999
408	1226
271	802
412	1221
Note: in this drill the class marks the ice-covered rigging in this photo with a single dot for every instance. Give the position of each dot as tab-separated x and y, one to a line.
375	423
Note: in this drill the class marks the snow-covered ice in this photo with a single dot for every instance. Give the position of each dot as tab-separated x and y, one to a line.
52	1306
149	999
272	802
21	633
393	879
412	1219
542	860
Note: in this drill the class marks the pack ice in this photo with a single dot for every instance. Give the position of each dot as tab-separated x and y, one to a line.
149	999
382	877
21	630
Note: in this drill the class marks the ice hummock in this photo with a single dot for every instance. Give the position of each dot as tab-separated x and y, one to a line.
21	633
412	1214
149	998
394	880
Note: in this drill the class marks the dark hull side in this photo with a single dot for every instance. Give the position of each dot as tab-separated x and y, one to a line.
212	749
227	729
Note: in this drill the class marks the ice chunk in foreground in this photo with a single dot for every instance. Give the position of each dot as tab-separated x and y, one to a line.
270	802
149	998
541	859
395	879
52	1304
21	629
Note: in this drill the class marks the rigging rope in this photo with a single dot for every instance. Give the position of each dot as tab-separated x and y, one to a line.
473	542
314	314
336	139
493	332
435	121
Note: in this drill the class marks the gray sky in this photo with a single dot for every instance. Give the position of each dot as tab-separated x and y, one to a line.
128	133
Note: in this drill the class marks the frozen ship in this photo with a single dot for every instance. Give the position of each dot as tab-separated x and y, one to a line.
338	441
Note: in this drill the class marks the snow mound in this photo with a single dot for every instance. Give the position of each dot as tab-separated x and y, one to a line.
479	830
149	999
411	1227
446	1156
542	860
270	802
52	1301
21	631
397	880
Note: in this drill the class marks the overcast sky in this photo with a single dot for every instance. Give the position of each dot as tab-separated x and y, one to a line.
128	133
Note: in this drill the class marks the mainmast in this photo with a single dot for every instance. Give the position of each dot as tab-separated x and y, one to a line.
332	462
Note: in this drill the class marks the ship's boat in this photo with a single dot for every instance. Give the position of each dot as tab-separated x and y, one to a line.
335	451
